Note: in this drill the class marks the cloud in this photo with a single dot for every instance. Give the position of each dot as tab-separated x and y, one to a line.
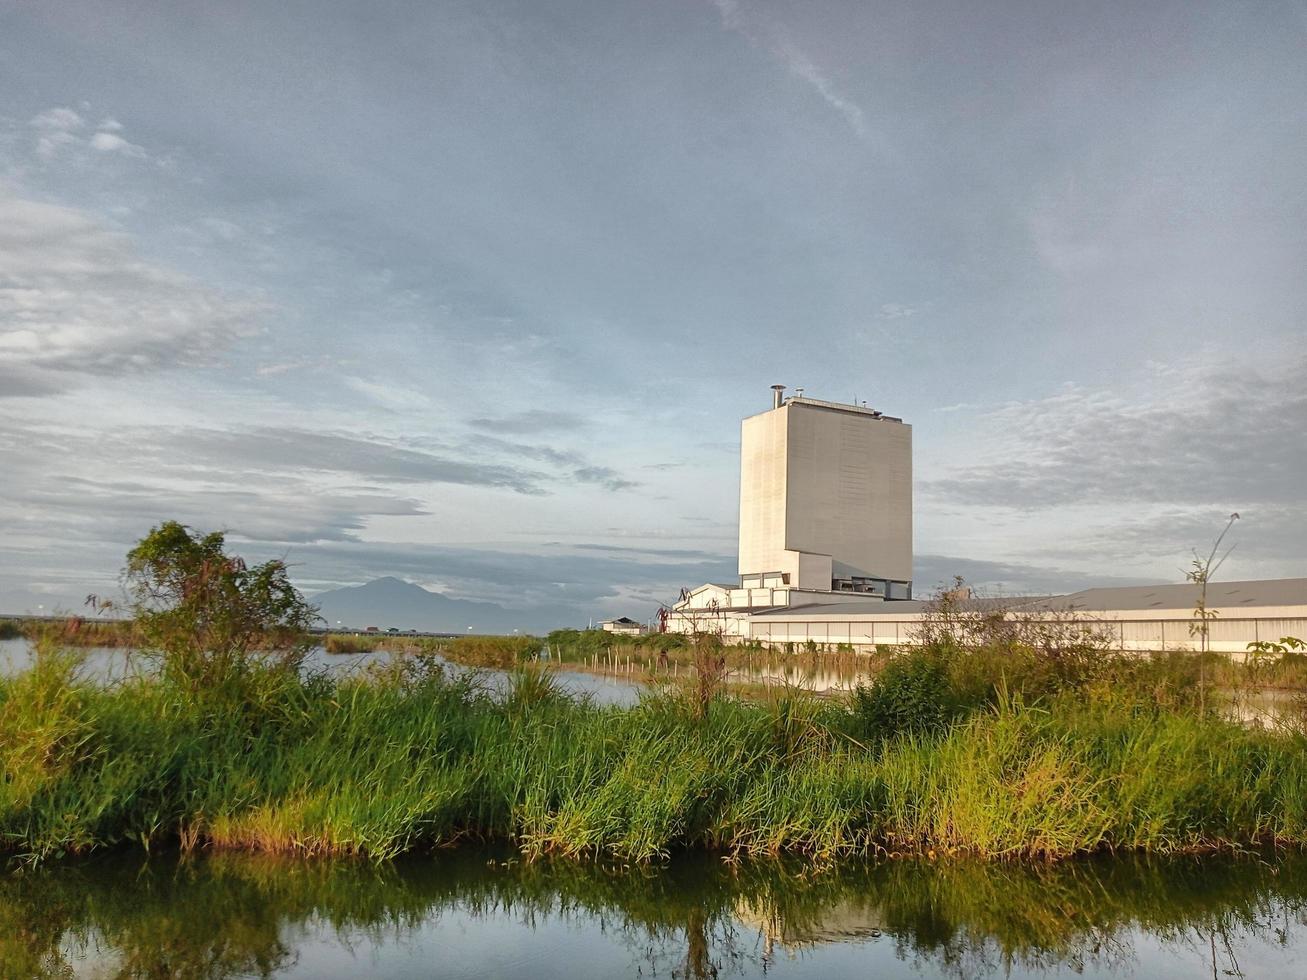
530	422
77	299
113	143
603	476
655	554
1214	435
56	129
1266	536
772	36
931	573
288	449
896	311
581	471
801	65
388	395
295	512
60	119
61	128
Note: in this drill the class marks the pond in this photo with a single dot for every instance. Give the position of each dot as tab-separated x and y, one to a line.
478	912
105	663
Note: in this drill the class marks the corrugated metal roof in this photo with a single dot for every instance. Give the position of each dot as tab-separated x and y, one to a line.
893	607
1220	595
1223	595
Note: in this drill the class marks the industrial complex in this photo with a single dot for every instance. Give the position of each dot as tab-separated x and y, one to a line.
825	554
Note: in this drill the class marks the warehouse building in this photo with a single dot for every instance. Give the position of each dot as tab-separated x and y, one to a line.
1138	618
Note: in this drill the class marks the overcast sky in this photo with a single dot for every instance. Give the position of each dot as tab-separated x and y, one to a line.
476	293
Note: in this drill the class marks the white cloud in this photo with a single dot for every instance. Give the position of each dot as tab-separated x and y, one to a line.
801	65
771	35
61	129
77	298
388	395
1214	433
896	311
113	143
61	119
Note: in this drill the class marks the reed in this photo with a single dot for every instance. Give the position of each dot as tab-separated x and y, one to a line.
407	757
72	631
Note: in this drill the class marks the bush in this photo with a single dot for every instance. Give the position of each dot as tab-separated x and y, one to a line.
913	695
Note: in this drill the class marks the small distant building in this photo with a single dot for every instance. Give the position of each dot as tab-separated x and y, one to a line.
622	626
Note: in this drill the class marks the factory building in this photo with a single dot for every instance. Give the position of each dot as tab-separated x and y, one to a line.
825	514
826	553
826	499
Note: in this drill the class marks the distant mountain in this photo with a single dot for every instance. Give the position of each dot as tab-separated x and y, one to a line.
389	602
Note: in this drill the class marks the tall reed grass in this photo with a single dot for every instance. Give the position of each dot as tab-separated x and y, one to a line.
406	757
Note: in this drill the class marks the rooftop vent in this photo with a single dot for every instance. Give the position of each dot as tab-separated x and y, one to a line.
777	395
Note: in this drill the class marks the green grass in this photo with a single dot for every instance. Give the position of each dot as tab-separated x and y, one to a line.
406	758
73	631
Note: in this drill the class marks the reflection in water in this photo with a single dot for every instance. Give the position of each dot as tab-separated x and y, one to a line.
469	913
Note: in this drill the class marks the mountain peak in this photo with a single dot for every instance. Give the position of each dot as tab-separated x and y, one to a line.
393	583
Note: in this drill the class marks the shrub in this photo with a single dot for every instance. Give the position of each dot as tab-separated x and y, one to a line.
912	695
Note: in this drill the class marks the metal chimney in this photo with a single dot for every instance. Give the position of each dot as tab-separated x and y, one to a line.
777	395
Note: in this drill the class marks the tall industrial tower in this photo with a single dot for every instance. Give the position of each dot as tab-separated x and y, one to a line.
826	498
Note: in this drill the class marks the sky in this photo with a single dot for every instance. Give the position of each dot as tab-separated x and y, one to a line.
476	293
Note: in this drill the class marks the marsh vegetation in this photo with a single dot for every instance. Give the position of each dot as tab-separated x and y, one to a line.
989	739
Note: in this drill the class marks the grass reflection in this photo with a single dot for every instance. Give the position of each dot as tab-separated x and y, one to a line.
231	914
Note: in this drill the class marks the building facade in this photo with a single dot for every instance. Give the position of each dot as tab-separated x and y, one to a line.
1143	618
826	499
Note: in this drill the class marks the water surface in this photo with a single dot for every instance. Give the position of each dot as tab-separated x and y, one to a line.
109	664
478	912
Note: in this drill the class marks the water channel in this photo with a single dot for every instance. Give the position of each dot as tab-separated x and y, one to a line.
484	913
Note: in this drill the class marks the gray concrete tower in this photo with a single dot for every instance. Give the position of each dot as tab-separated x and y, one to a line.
826	498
